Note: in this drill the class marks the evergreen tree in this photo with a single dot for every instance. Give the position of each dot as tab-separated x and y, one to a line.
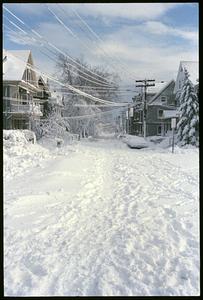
188	125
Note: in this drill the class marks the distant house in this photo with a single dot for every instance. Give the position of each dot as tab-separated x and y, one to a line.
159	98
21	91
161	102
161	108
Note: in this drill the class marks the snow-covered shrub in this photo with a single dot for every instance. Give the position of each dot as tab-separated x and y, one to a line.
30	136
53	125
18	137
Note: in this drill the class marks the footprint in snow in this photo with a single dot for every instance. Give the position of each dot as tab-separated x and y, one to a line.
193	243
173	233
170	212
37	270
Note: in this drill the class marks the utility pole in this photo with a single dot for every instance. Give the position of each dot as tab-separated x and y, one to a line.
145	84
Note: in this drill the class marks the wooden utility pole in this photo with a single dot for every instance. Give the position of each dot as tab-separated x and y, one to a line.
145	84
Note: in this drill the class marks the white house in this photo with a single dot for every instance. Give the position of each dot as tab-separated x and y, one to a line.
193	69
21	104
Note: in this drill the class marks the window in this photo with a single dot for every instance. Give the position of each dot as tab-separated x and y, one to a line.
28	75
160	113
163	98
19	124
6	91
159	129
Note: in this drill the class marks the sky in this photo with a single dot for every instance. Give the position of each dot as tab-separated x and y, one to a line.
134	40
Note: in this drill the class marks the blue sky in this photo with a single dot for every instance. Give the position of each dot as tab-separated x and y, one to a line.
136	39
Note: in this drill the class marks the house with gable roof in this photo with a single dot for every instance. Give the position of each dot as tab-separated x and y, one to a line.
160	109
162	103
159	98
23	91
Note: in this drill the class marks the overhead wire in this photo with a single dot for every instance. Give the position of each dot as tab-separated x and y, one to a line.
66	88
37	70
70	31
83	95
56	48
80	92
67	28
37	100
34	39
101	41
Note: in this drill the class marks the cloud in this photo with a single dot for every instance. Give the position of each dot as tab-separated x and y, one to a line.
133	11
160	28
141	56
147	48
149	55
152	60
32	9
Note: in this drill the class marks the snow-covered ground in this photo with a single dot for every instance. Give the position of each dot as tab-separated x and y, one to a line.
99	218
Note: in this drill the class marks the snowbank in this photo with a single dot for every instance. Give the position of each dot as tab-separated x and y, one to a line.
20	152
155	143
18	137
136	142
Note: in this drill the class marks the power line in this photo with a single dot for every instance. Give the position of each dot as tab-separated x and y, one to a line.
38	100
56	60
100	40
83	93
37	70
53	46
93	115
68	29
86	87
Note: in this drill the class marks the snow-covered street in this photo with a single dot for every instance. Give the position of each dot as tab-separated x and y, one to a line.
104	219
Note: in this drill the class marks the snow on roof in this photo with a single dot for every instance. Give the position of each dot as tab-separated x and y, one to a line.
155	89
14	64
163	87
41	77
193	69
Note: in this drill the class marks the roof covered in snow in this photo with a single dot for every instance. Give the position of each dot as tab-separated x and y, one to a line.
193	69
155	89
42	78
14	64
162	87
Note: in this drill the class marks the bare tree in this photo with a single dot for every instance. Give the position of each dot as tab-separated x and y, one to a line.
73	74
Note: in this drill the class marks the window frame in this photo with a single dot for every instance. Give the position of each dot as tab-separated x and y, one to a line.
158	115
165	99
159	127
